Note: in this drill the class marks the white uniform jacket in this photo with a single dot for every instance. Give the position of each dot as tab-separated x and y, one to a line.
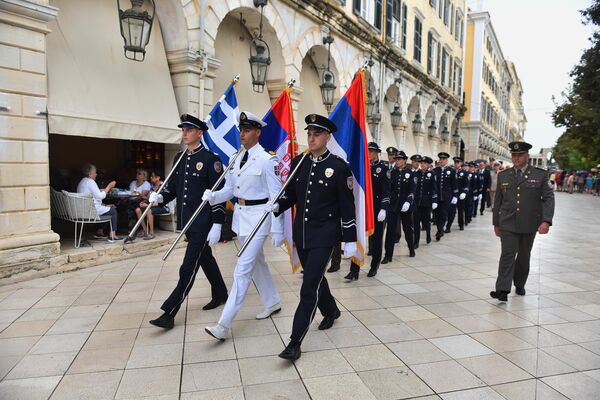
257	179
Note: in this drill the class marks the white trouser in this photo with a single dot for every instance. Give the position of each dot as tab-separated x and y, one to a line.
250	266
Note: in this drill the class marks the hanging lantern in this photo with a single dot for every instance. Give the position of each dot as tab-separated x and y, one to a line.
370	103
327	77
456	138
260	54
432	129
396	116
445	133
417	124
136	25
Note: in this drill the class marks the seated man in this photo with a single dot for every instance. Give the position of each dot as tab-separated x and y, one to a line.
88	185
155	208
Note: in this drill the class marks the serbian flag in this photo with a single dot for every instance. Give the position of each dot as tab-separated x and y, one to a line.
279	136
350	142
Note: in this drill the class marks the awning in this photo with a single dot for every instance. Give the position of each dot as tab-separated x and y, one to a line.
93	90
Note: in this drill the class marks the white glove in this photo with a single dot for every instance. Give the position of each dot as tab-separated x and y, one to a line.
214	235
480	196
350	250
272	207
155	198
462	196
433	206
454	200
405	206
475	198
381	216
208	196
277	239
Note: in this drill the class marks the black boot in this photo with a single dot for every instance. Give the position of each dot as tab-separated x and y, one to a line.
164	321
292	351
352	276
334	268
214	303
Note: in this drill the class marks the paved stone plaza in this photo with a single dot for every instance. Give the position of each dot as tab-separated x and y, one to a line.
423	328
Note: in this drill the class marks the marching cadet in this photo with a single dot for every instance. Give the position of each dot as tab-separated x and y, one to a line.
477	188
425	200
462	183
380	185
195	173
486	176
402	195
446	190
322	191
254	181
523	206
391	153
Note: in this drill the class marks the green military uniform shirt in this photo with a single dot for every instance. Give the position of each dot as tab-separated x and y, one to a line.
523	200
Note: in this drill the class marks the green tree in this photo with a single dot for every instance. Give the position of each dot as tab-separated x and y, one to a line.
579	112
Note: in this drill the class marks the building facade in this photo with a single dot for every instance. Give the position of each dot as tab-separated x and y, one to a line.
493	94
69	96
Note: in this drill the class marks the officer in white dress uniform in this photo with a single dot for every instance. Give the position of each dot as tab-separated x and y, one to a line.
254	181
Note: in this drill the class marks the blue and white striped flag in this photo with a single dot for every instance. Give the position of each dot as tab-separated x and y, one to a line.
223	135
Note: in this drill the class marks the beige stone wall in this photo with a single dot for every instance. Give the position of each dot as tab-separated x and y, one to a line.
25	232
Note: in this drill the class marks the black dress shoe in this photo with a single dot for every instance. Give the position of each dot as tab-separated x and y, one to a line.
164	321
520	291
214	303
328	321
386	260
416	245
462	228
372	272
502	296
292	351
428	239
447	230
412	253
438	236
481	213
352	276
333	268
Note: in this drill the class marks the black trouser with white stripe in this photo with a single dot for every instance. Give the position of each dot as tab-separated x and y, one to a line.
197	254
314	291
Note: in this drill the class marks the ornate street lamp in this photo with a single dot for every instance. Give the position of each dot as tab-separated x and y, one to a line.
327	77
445	133
370	103
432	128
417	124
396	116
260	54
136	25
456	138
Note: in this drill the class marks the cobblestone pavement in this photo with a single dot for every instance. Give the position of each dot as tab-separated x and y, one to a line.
423	328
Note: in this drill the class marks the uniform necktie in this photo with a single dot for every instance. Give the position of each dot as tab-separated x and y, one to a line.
244	159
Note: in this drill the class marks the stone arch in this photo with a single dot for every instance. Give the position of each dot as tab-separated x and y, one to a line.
313	38
173	24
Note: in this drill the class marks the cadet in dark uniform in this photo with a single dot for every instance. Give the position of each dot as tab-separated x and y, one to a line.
462	183
322	193
479	180
447	192
380	185
523	206
402	195
472	193
391	153
425	200
195	173
486	176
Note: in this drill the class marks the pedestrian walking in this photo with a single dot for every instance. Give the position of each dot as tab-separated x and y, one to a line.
425	201
524	207
254	181
447	192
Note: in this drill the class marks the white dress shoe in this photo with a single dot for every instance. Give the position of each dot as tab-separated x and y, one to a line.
218	332
267	312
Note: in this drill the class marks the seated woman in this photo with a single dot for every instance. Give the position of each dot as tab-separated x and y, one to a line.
88	185
155	208
140	184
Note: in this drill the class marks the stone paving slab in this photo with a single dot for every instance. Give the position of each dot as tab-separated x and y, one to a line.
424	327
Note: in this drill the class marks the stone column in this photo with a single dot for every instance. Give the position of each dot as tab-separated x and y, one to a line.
26	237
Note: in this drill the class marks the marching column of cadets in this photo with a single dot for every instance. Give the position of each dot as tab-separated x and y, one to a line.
410	197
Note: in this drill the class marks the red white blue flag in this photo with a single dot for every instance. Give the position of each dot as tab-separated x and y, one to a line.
279	136
350	142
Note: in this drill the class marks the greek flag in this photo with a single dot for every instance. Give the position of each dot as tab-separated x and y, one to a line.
223	135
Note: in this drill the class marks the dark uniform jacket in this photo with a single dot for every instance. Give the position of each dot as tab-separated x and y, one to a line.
487	179
475	185
322	191
381	186
523	203
446	183
426	192
197	171
403	188
462	181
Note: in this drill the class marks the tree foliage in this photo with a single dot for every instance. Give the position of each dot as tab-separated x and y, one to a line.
579	112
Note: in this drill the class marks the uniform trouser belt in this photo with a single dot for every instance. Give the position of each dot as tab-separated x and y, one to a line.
243	202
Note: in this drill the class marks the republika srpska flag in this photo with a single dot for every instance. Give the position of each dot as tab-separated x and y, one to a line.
350	142
279	136
223	135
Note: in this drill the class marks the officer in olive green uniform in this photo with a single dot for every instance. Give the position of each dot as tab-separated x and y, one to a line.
523	206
